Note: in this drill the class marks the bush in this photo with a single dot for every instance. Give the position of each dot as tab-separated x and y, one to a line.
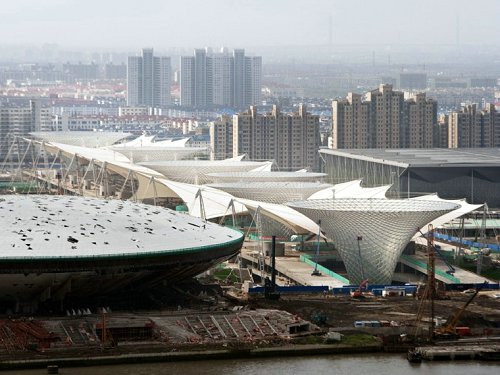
358	339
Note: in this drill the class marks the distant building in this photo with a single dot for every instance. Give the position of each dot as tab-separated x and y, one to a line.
66	123
447	83
112	71
220	79
421	119
490	130
412	81
483	82
472	127
451	173
291	140
148	80
350	122
81	71
187	81
384	119
442	131
221	138
20	121
133	111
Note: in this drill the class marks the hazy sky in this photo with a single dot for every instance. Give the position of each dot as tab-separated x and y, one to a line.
132	24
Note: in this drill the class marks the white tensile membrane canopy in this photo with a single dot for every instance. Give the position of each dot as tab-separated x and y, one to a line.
273	176
99	154
196	171
217	203
143	140
144	149
464	208
148	141
351	189
285	215
115	162
271	192
89	139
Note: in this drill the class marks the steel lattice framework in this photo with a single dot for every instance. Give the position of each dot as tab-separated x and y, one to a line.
151	153
272	192
196	171
273	176
371	234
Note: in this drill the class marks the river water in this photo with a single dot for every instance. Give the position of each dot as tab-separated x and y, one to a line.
378	364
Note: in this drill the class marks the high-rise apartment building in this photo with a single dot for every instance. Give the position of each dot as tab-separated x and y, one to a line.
386	117
291	140
464	128
383	119
421	121
490	126
350	120
148	80
20	121
239	82
472	127
220	79
253	80
442	131
221	138
186	81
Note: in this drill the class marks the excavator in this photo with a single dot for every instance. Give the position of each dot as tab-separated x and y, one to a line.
359	292
448	330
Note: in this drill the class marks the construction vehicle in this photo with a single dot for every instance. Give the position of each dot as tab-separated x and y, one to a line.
359	292
449	330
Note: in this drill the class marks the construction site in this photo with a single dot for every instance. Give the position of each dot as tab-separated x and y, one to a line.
220	315
349	270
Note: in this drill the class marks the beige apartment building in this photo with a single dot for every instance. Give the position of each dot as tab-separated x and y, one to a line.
350	122
290	139
383	119
472	127
464	127
221	138
386	117
421	120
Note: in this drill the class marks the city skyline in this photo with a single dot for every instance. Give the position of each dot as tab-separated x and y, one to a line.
222	78
148	80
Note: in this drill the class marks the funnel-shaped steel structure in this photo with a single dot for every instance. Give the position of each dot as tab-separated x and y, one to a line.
371	234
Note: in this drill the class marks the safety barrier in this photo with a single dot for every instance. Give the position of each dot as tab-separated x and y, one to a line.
324	270
424	266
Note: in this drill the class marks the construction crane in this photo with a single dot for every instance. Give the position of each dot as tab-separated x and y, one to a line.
449	329
429	293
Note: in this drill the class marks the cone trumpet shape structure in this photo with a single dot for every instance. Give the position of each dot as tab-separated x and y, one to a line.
371	234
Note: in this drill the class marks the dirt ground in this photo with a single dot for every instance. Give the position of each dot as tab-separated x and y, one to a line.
343	311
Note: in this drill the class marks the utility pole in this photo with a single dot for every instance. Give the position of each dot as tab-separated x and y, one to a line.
316	257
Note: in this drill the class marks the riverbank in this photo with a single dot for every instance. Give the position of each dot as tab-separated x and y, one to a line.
172	356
